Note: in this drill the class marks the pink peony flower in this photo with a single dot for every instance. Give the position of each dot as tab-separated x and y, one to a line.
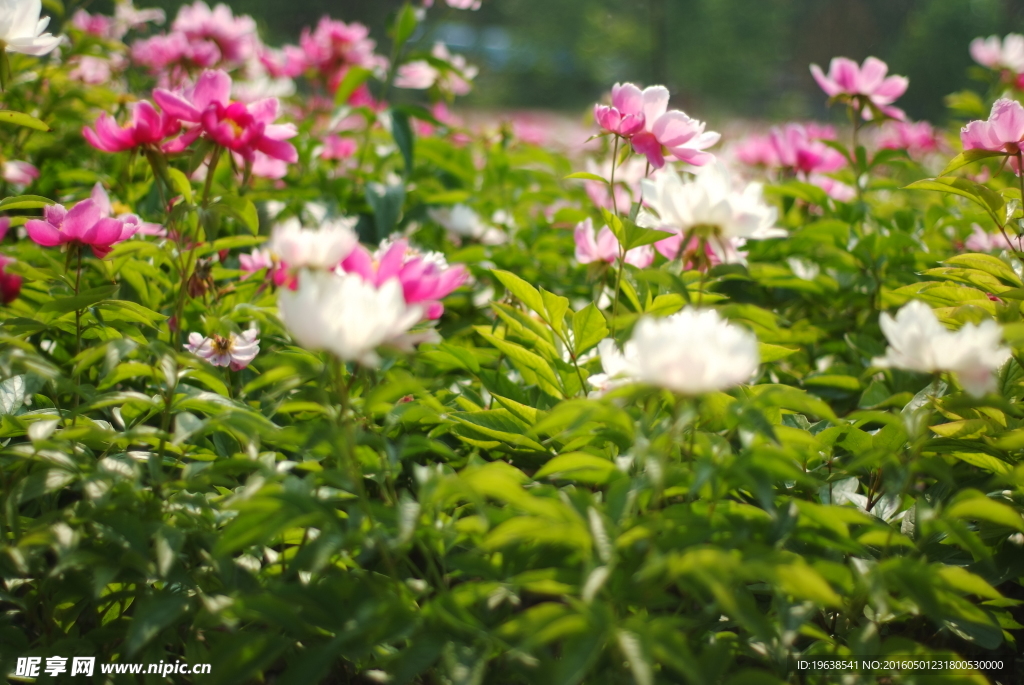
235	37
668	131
625	117
236	351
846	80
672	249
915	137
980	241
1002	132
757	150
334	46
147	127
338	148
1000	54
10	284
256	261
19	174
416	75
604	247
87	223
95	24
463	4
244	129
799	147
288	62
837	190
456	79
426	278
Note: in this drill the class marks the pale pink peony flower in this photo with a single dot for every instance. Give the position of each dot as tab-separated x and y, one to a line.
757	150
1002	132
426	278
19	174
416	75
916	138
87	223
602	246
456	79
288	62
338	148
93	71
846	80
235	351
980	241
147	127
95	24
799	147
668	131
837	190
625	116
993	53
256	261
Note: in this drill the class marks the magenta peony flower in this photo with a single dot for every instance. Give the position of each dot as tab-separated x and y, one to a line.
95	24
338	148
426	278
87	223
847	80
1002	132
604	247
10	284
147	127
334	46
236	351
244	129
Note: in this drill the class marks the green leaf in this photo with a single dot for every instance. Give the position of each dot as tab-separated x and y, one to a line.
526	293
989	264
180	183
150	617
579	466
535	370
20	119
83	300
585	176
637	236
969	157
556	307
25	202
387	202
401	131
982	195
405	24
240	208
773	353
589	327
132	311
971	504
354	77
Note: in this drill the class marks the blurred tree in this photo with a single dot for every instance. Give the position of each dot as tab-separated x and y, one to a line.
719	57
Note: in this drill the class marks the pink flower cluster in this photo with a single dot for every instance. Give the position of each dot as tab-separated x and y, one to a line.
200	37
865	87
426	278
1002	132
89	223
917	138
643	117
798	149
1005	56
205	109
333	47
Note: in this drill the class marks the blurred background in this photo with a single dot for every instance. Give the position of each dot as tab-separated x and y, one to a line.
720	58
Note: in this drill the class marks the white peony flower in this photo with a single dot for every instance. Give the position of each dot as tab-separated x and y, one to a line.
620	368
464	222
343	314
322	248
709	205
919	342
692	352
21	29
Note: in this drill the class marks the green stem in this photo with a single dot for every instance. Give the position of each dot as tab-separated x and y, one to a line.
208	186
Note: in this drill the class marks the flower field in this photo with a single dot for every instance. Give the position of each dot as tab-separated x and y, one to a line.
307	379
